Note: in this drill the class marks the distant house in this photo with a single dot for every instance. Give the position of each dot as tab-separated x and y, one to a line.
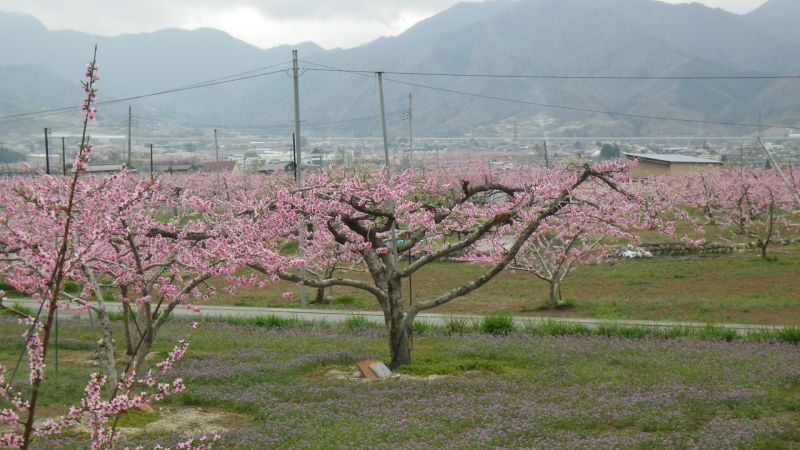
222	166
279	166
174	168
653	165
260	164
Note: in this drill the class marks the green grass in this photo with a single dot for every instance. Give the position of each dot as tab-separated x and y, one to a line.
10	291
556	328
738	287
455	325
497	324
548	385
30	312
267	321
357	322
503	324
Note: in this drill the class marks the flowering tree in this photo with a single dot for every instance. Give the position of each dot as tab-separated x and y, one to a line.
553	251
753	203
378	221
54	229
587	230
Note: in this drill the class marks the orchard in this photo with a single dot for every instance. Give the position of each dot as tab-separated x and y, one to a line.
153	244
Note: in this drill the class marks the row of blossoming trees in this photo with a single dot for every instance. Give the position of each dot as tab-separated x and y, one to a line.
153	245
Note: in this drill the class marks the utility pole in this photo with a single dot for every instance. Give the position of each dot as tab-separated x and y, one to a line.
546	159
152	175
298	167
516	135
216	150
130	127
63	156
46	152
392	231
383	125
4	161
741	154
410	130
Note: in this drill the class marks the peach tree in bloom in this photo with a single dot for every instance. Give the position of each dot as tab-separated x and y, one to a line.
589	229
754	204
379	223
54	229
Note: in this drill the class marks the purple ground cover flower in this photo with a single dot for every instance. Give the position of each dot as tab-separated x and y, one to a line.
517	391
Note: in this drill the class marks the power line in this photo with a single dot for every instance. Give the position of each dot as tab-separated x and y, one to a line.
258	69
324	68
151	94
586	110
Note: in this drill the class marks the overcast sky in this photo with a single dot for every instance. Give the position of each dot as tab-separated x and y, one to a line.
265	23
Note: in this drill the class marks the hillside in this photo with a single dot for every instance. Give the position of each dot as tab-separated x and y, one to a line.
556	37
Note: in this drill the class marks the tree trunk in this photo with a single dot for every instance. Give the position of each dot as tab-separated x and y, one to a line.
554	298
399	326
126	320
319	299
145	338
399	341
144	350
109	359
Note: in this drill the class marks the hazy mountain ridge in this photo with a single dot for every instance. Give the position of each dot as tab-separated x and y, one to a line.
560	37
778	18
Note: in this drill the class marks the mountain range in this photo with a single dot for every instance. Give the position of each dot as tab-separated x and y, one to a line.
39	69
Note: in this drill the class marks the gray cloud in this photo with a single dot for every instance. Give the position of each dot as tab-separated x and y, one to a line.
160	11
261	22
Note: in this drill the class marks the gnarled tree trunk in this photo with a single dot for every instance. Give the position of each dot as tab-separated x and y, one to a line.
399	340
399	325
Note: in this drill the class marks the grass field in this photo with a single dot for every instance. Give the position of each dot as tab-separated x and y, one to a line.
740	287
273	388
730	288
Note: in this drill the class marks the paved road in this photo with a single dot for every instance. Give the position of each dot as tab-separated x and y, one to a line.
334	316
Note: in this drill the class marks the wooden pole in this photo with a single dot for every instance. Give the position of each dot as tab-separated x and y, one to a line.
63	156
46	153
152	176
216	150
298	165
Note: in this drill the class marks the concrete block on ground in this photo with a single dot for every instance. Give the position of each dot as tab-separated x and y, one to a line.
380	370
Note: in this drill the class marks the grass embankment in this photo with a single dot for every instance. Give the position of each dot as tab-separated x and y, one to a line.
741	288
729	288
516	390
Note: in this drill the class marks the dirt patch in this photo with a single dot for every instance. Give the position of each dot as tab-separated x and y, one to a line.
182	421
186	421
355	375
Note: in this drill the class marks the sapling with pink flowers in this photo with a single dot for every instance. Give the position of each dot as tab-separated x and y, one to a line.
54	229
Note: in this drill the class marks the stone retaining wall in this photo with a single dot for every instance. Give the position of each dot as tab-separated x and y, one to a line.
681	249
